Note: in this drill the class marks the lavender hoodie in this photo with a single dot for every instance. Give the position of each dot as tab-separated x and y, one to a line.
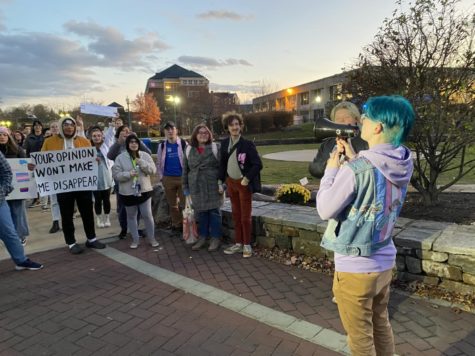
337	190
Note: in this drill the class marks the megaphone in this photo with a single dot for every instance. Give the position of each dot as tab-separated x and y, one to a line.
324	128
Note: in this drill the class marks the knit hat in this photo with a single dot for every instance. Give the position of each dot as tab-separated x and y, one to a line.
4	130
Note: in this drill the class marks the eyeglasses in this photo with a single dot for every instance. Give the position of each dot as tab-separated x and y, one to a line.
68	125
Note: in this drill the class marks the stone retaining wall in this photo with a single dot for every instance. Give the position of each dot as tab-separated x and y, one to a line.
432	252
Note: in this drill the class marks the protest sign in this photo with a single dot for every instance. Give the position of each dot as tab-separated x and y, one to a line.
23	181
65	171
100	110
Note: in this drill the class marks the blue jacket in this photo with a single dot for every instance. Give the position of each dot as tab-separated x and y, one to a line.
365	225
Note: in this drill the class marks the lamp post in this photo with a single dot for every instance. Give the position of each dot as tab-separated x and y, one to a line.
127	100
175	100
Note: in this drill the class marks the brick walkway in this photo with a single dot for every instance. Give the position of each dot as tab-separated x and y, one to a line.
90	304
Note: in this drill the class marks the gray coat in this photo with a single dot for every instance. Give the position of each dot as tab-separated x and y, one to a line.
200	179
121	172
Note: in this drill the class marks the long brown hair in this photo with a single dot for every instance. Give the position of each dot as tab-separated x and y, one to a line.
194	135
11	146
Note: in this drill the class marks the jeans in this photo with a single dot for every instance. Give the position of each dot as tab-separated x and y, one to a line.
102	198
20	221
66	206
362	300
55	213
145	210
241	207
9	236
209	224
121	213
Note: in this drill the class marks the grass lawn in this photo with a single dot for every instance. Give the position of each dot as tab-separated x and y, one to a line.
280	172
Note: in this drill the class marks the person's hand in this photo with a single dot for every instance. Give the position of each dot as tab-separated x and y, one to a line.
31	166
98	160
244	181
345	148
133	173
220	189
334	160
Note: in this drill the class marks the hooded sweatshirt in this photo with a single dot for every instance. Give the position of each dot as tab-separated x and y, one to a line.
59	142
338	190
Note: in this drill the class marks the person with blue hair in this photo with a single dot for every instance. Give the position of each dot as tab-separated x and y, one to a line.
362	200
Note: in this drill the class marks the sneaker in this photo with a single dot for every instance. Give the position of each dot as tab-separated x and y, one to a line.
95	244
99	222
29	265
153	242
106	220
214	245
122	235
236	248
199	244
76	249
55	227
334	300
247	251
134	245
23	241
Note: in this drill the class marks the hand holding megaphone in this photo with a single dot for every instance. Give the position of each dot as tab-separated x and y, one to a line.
325	128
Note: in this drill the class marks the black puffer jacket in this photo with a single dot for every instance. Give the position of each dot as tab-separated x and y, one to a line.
317	167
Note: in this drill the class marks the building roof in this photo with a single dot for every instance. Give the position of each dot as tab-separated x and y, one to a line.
175	71
115	105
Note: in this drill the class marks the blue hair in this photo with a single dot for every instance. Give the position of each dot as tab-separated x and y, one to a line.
395	113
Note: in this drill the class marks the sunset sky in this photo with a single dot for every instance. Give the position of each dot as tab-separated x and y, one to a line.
62	53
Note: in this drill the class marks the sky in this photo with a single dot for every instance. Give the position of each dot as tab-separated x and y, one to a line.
63	53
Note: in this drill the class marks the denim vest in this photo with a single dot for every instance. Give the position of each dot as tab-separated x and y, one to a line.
366	224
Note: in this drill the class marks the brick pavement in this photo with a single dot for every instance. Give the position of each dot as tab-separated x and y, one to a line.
90	304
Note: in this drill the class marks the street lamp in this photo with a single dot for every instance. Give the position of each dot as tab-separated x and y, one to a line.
127	100
175	100
6	123
318	99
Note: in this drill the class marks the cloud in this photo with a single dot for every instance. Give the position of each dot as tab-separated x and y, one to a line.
222	15
37	64
211	63
111	45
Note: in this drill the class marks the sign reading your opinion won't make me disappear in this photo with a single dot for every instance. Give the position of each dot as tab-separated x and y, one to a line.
65	171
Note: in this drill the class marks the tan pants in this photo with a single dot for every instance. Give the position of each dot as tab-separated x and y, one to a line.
363	306
175	198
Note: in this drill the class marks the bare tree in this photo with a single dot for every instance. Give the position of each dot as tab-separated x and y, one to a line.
426	53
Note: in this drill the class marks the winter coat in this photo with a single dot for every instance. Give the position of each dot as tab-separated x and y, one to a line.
121	172
249	162
200	179
33	143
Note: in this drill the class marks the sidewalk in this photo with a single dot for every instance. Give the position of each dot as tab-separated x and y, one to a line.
172	301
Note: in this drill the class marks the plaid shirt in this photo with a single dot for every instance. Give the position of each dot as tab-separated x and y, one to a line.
5	178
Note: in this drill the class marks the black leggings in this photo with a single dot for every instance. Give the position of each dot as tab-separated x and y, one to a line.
102	197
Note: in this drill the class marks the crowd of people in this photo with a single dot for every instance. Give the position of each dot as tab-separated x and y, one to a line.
195	173
363	185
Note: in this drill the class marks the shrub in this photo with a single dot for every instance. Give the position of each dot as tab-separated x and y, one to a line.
292	194
282	119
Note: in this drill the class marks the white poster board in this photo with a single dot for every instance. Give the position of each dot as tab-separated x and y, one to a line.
65	171
100	110
23	180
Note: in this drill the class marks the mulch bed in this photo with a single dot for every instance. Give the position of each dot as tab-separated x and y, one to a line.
457	208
